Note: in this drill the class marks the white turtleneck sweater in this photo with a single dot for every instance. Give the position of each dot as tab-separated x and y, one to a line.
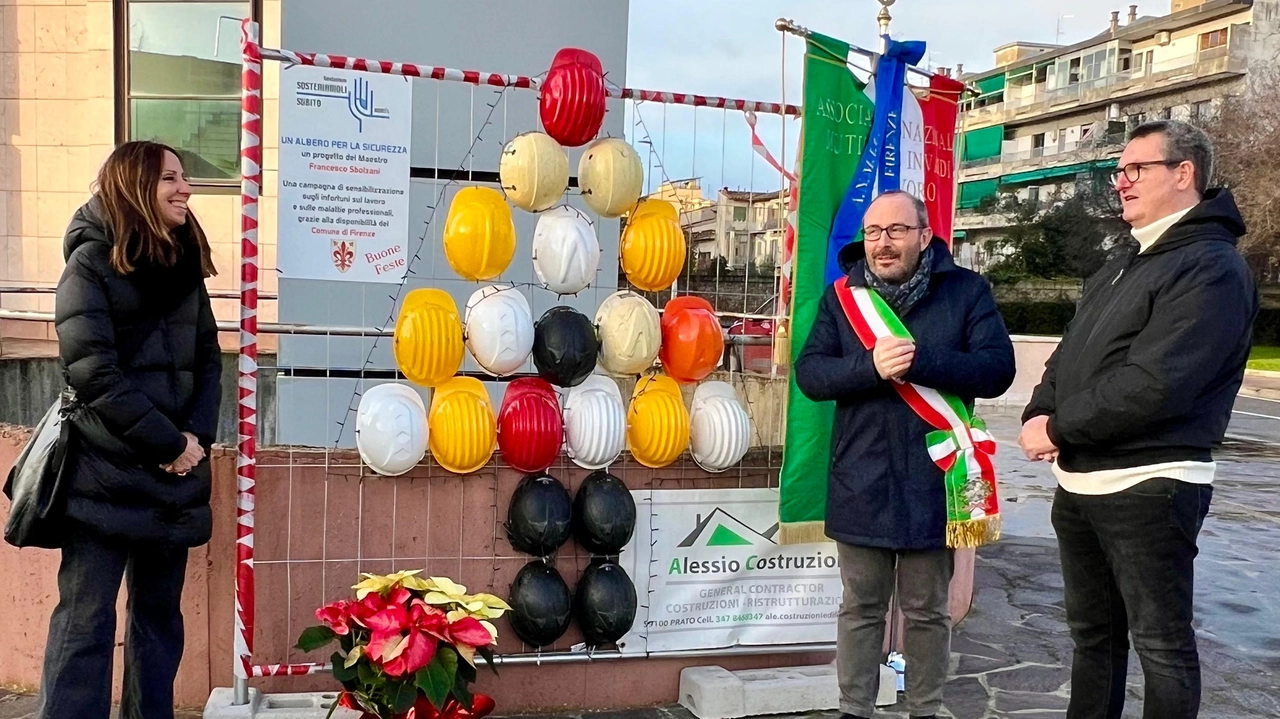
1117	480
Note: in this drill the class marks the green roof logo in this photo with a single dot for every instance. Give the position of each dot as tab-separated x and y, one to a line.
721	529
725	537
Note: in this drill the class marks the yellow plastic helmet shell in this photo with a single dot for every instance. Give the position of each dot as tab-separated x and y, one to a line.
428	337
719	428
463	430
534	171
610	176
657	422
653	247
479	234
649	205
630	333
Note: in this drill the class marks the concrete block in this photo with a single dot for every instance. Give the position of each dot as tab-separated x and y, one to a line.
716	693
310	705
712	693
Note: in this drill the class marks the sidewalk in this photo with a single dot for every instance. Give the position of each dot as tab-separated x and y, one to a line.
1264	385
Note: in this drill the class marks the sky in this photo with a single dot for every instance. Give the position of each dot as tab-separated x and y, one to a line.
730	48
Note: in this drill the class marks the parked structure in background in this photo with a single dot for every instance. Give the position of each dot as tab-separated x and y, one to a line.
740	227
1052	120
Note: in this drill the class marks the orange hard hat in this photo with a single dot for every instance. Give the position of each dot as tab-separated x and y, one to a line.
692	341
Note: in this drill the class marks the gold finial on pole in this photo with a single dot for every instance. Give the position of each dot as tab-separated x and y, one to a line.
884	18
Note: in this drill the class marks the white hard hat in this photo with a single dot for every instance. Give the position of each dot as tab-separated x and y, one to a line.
566	252
391	429
595	423
720	431
499	329
630	333
611	176
534	171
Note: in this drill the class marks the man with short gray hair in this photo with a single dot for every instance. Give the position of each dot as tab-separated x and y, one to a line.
1132	404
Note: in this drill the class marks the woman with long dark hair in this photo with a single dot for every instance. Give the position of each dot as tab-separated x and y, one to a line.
139	347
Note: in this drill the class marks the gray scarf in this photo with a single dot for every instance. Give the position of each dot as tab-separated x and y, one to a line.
904	296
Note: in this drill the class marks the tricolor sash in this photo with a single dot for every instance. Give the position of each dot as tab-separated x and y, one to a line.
959	444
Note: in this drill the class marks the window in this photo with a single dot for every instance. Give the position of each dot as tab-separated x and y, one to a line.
1126	60
1202	110
1138	63
1033	194
1210	40
740	214
1074	77
183	81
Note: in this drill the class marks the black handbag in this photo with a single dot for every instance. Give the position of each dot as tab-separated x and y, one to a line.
37	482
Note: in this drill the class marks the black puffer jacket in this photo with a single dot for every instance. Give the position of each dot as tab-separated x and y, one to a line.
135	411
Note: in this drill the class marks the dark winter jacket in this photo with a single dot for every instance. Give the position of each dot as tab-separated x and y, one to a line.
882	488
1149	367
135	411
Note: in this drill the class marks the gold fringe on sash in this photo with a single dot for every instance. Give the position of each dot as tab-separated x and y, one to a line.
802	532
973	532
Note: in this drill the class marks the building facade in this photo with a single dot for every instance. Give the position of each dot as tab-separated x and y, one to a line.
742	228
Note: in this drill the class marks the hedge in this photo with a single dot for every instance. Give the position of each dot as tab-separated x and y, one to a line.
1051	318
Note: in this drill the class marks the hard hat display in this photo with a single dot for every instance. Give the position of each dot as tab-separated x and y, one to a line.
428	337
604	603
652	253
541	605
719	429
463	429
610	176
565	347
479	234
566	252
499	329
604	514
692	340
572	104
630	333
530	426
657	422
538	516
595	423
534	171
391	429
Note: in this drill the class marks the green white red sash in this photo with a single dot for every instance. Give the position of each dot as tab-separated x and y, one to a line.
959	444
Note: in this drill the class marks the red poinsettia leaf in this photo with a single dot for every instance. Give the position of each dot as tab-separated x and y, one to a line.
471	632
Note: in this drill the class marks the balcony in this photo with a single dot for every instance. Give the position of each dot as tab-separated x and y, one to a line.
1093	148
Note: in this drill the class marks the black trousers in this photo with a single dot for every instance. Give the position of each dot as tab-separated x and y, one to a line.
1127	568
81	644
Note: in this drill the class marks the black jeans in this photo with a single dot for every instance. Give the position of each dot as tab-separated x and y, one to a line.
82	632
1127	567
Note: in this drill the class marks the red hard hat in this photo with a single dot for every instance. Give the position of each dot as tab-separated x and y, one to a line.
573	97
530	428
692	341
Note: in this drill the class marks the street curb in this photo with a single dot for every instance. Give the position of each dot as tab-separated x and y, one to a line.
1261	373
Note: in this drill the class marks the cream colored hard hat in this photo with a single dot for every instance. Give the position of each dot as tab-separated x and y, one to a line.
630	333
611	176
534	171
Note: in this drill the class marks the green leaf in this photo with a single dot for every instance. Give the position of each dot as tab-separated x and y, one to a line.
462	693
487	653
340	671
367	673
313	638
402	696
437	678
466	672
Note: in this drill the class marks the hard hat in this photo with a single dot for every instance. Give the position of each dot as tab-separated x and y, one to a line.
428	337
657	423
653	247
565	347
572	104
463	430
629	331
566	252
499	329
719	430
530	426
604	514
479	235
595	423
541	605
534	171
610	176
391	429
604	603
539	515
692	341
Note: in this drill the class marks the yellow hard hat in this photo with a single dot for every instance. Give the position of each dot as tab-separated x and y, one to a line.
463	430
479	235
657	422
653	247
611	176
534	171
428	338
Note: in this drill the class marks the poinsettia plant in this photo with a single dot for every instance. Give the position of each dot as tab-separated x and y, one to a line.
407	646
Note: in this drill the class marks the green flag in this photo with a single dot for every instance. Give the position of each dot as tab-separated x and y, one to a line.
836	122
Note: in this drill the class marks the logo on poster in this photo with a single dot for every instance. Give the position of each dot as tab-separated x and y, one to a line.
344	254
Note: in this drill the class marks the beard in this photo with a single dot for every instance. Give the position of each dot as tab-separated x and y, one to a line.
896	274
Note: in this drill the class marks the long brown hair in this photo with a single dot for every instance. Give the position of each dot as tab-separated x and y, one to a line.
126	191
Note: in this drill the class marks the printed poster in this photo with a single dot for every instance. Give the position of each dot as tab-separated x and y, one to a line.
344	175
709	573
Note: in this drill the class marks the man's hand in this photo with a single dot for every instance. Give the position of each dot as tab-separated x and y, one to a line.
189	458
893	357
1035	440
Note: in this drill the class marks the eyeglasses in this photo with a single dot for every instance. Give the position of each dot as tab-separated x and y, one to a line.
1133	171
895	232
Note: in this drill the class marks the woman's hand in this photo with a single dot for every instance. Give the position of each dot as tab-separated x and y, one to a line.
189	458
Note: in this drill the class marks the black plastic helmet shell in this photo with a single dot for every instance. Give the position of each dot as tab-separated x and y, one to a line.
565	346
604	514
605	603
540	604
538	518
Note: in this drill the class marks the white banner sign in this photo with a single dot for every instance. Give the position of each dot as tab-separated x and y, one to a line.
344	175
707	566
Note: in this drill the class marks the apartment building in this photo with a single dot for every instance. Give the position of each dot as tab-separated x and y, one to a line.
741	227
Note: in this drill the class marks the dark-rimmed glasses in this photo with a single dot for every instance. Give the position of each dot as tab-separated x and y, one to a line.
895	232
1133	171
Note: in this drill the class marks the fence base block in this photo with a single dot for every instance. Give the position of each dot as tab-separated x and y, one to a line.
309	705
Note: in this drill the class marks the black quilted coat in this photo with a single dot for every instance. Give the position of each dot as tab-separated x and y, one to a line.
136	410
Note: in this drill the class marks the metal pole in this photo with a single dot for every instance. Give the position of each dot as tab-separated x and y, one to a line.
884	18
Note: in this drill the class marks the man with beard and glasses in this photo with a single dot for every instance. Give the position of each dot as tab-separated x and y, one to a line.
887	502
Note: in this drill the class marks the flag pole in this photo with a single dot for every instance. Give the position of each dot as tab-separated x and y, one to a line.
884	18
